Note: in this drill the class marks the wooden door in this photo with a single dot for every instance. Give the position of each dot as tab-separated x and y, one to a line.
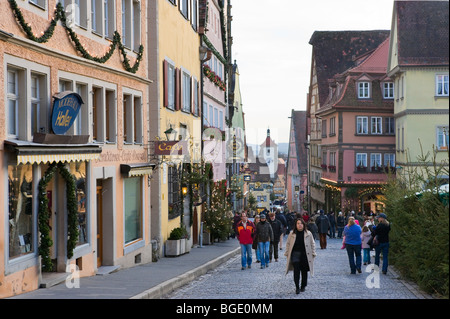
99	227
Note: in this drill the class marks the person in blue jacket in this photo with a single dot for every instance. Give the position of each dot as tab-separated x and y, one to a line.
352	235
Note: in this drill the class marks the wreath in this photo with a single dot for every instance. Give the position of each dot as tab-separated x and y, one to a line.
44	215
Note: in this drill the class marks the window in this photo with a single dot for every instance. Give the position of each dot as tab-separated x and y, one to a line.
221	120
40	3
110	118
332	161
169	85
81	13
216	117
80	124
109	14
13	103
333	126
35	104
173	192
211	116
361	160
131	24
363	90
205	113
184	8
132	119
96	16
133	209
194	14
442	85
97	100
20	178
195	97
442	137
78	170
375	160
376	127
362	123
389	160
186	92
324	128
389	125
388	90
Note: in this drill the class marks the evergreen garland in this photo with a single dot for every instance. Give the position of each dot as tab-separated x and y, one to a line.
61	15
44	215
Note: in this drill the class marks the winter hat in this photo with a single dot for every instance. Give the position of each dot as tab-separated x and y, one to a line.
262	216
382	216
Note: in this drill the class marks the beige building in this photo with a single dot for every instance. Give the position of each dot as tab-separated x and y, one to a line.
92	72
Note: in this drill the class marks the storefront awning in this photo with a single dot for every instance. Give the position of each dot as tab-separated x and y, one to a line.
29	152
137	169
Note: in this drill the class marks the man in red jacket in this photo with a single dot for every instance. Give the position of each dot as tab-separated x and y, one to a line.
245	230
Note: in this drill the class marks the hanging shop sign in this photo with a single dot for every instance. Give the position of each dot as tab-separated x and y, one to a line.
66	107
170	147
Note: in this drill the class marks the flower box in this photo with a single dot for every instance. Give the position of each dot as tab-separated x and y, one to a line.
361	168
332	168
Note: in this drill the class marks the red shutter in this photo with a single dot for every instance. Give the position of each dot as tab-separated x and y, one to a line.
166	83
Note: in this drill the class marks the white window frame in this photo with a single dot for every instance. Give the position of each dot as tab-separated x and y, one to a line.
388	90
375	160
364	90
134	114
35	103
442	83
389	160
362	125
376	125
442	137
186	89
361	158
13	97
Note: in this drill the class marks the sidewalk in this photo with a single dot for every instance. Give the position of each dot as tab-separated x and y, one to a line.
147	281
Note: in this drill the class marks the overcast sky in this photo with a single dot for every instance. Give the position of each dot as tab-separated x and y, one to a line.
270	46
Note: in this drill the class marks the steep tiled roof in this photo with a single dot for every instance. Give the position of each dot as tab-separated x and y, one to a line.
423	37
335	52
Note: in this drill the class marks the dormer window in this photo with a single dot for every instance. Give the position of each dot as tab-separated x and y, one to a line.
388	90
363	90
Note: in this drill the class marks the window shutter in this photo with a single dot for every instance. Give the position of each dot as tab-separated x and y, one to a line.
166	83
192	96
199	100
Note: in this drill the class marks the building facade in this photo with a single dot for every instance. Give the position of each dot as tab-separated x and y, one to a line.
418	64
333	52
175	66
358	135
73	139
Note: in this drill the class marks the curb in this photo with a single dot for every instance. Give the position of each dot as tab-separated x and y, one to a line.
172	284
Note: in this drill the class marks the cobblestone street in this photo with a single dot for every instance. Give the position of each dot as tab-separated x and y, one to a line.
332	280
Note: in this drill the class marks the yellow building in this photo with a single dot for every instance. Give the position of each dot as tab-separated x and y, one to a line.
174	104
418	63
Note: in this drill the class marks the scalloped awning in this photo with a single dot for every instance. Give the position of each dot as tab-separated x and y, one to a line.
35	153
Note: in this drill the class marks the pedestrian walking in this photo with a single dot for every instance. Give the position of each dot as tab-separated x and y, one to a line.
280	216
332	220
340	223
381	231
352	235
312	227
323	225
245	230
300	252
365	237
264	235
255	242
277	229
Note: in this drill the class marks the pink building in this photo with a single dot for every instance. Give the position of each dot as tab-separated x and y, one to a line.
297	163
358	141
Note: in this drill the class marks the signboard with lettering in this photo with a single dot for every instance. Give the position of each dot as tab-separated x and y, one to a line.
170	147
66	107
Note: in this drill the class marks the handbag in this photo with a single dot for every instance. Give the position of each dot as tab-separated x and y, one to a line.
375	241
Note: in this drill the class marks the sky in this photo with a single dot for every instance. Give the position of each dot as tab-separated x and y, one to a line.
271	48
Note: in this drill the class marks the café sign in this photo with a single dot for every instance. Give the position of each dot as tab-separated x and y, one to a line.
66	107
170	147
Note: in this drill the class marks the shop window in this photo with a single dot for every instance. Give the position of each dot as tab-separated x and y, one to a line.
78	170
133	209
173	192
20	210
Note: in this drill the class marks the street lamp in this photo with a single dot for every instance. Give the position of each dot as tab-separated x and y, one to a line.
170	134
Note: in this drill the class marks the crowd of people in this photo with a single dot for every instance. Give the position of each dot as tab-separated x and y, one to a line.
360	233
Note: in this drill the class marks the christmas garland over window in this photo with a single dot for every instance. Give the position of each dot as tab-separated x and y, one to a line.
61	15
214	77
44	215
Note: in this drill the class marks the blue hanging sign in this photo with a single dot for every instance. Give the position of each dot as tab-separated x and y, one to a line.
66	107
